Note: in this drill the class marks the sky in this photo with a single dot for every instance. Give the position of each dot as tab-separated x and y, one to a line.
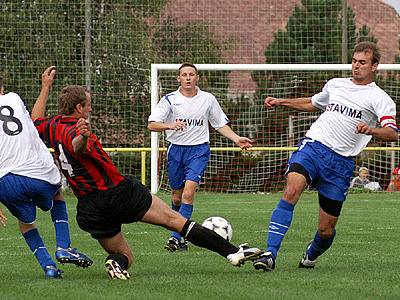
395	4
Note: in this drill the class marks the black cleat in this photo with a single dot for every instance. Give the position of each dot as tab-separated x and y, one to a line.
266	262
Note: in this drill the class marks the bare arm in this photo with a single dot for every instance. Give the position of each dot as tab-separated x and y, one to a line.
242	142
161	126
39	108
387	134
80	142
3	218
300	104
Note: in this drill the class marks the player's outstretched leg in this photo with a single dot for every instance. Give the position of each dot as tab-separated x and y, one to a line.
206	238
314	249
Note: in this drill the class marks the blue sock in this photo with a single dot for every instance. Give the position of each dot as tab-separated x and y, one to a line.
38	248
279	224
319	246
60	219
186	210
175	207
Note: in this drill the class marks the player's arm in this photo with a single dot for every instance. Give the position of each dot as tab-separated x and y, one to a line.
242	142
161	126
39	108
80	142
300	104
387	134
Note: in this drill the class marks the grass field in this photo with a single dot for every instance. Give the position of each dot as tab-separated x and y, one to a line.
363	263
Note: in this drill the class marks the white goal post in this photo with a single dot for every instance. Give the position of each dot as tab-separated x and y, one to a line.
156	92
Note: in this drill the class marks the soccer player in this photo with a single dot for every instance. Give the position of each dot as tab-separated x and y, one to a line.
184	115
325	158
106	199
28	176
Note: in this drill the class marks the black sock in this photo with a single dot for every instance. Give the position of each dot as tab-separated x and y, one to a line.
121	259
206	238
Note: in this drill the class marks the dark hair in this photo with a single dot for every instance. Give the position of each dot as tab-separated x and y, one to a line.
187	64
69	97
1	82
369	47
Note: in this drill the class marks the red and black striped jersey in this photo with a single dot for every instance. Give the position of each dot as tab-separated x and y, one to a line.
86	173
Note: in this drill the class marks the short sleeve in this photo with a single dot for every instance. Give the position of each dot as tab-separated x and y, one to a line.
385	109
162	110
321	100
217	117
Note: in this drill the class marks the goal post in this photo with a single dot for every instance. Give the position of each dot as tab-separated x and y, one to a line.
280	80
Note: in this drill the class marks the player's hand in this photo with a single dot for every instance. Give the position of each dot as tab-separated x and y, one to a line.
83	126
178	125
244	143
48	76
3	218
270	102
363	128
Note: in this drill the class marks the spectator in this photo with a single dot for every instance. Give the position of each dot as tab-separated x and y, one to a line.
362	181
394	184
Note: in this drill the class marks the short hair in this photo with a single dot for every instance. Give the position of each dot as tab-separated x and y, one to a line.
69	97
369	47
362	169
187	64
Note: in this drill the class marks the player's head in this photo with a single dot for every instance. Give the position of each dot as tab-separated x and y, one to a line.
365	62
363	172
188	76
74	100
1	85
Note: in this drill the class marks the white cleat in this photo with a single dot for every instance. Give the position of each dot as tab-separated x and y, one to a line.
244	254
115	271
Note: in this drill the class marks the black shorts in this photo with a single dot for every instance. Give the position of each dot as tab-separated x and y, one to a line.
103	212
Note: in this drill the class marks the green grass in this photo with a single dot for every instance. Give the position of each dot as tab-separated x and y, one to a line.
363	263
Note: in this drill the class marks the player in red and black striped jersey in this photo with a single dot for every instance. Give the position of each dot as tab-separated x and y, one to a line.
106	199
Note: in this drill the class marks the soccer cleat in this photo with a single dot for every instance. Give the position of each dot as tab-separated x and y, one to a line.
51	272
115	271
266	262
183	245
72	256
172	244
244	253
306	262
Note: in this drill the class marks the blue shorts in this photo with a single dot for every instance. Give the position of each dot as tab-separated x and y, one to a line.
22	194
330	172
186	163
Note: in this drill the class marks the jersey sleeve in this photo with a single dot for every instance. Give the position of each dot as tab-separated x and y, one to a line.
162	111
385	109
217	117
321	100
40	124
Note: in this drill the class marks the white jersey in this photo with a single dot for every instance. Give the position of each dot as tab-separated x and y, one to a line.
346	104
196	112
22	152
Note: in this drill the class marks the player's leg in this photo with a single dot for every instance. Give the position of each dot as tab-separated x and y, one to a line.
160	214
281	218
328	216
64	253
176	242
120	256
39	250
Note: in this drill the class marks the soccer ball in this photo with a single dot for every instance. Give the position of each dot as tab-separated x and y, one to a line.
220	226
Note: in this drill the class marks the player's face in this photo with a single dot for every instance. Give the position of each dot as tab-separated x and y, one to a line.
188	78
363	69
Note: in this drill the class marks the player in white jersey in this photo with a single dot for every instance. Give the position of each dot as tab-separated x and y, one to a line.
351	108
29	179
185	116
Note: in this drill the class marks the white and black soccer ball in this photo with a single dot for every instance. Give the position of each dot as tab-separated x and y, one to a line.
220	226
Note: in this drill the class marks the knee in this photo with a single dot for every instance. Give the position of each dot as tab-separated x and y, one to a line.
291	194
326	232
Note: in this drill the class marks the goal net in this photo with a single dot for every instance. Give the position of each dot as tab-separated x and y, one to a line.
241	90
